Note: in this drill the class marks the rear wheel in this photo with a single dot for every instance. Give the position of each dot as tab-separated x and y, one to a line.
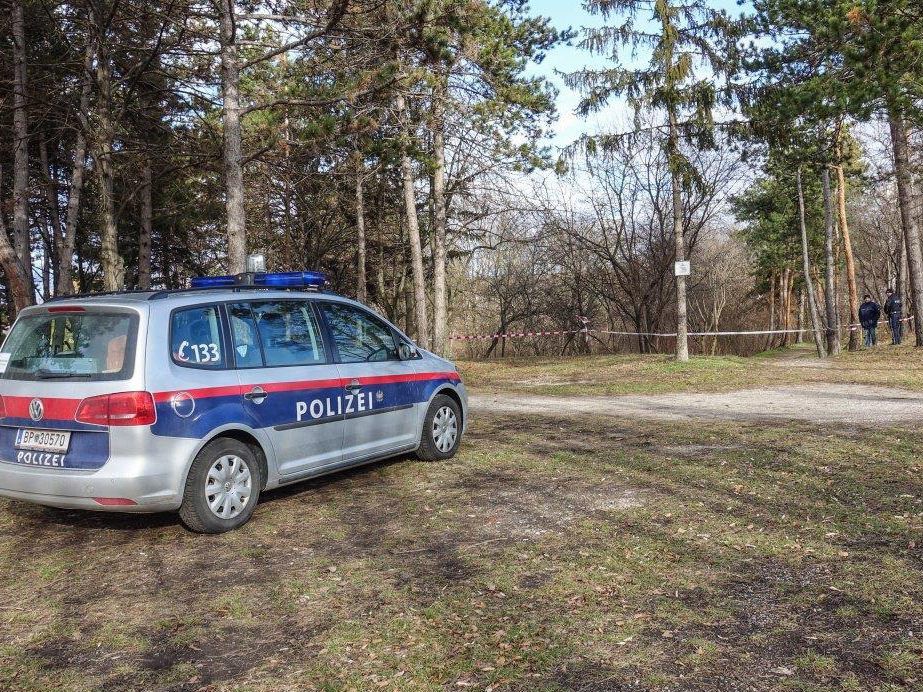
222	487
441	429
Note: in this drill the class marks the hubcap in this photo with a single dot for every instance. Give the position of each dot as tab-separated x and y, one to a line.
445	429
227	486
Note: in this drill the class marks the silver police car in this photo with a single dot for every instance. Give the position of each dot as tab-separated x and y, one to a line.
198	400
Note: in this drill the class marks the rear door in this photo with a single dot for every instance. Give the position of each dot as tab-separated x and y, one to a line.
379	389
289	383
54	358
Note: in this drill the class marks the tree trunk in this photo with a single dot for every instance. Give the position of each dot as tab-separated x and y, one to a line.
50	187
407	287
904	279
772	310
21	240
113	268
806	265
233	146
440	298
47	259
20	289
64	276
64	279
908	222
784	306
799	337
850	261
380	274
147	223
413	228
833	319
682	341
361	279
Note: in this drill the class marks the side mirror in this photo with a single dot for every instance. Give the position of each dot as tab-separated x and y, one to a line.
406	351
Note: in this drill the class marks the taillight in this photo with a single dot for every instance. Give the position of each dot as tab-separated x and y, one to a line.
124	408
2	408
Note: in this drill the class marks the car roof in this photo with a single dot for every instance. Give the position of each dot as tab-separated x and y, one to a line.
190	296
183	294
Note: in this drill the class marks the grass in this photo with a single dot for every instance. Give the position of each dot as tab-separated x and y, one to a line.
900	366
550	554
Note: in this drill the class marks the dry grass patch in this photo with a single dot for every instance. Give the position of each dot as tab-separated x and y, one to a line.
658	374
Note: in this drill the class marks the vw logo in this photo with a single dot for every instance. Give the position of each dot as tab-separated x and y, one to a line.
36	409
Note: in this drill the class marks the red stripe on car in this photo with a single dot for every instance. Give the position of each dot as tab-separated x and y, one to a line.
239	390
54	408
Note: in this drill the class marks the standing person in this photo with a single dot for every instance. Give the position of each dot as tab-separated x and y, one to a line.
893	309
869	312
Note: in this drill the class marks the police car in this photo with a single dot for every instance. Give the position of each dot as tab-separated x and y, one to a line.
200	399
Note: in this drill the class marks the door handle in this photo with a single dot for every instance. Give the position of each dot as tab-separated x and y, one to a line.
353	386
256	395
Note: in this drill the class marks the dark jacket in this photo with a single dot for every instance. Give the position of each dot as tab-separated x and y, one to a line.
869	312
893	305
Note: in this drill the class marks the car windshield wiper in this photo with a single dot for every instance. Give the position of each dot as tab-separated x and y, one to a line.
55	375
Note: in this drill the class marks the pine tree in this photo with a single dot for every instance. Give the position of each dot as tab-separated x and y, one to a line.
691	46
852	58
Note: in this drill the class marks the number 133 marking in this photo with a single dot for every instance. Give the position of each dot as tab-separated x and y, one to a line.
201	353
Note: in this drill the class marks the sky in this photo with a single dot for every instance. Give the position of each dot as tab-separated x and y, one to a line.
570	58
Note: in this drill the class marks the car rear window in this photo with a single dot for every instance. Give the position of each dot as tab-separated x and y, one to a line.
93	345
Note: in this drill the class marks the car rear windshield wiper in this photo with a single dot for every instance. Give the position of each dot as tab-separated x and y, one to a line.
55	375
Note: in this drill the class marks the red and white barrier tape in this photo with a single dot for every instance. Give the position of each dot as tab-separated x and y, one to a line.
510	335
754	332
856	327
505	335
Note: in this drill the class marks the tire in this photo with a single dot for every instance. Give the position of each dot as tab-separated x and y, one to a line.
442	413
222	464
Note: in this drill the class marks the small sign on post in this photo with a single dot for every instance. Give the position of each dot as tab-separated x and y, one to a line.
585	331
682	268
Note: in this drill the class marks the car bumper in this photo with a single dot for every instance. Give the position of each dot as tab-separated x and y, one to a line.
148	471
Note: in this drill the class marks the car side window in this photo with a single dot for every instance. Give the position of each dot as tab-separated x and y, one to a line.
288	333
359	337
196	339
247	351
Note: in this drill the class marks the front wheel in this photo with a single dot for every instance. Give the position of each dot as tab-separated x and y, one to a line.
441	429
222	487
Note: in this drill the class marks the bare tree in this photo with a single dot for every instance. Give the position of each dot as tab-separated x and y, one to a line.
909	222
819	339
440	298
850	259
413	225
833	318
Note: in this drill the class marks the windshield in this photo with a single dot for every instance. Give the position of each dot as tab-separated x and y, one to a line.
78	346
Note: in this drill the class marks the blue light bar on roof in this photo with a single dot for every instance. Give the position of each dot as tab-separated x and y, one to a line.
314	280
291	280
212	281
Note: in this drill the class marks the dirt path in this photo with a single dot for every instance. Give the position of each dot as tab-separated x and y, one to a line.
829	403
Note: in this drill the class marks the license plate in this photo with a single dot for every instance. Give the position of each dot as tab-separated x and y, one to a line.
43	440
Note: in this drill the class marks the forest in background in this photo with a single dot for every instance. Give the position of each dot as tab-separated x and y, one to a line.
399	146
